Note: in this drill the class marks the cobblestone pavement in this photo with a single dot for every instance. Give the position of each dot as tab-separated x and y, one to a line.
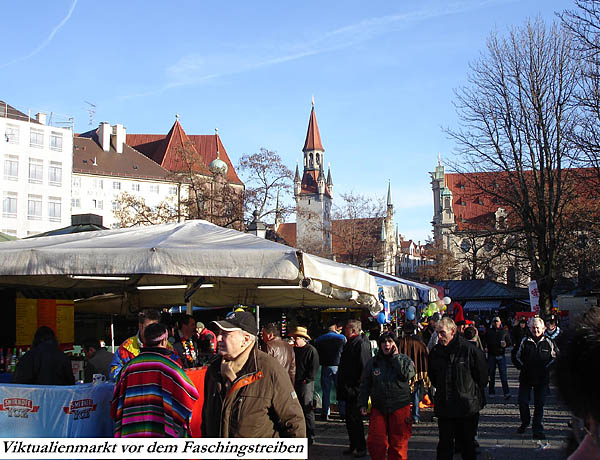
497	432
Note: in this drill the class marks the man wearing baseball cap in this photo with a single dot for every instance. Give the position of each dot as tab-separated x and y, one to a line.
247	394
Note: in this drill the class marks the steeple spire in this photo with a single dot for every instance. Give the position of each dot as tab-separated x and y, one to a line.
389	193
313	137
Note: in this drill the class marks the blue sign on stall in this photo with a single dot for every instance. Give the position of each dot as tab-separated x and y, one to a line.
75	411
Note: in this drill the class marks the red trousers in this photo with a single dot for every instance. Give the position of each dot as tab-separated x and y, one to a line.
389	434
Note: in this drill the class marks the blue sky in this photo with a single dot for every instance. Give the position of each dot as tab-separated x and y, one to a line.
382	74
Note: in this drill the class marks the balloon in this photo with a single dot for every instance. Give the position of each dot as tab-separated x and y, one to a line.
432	306
381	318
447	300
439	303
410	313
445	307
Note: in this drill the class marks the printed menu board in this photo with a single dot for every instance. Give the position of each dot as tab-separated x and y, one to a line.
58	315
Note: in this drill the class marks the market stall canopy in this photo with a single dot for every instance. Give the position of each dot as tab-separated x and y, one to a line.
395	289
171	264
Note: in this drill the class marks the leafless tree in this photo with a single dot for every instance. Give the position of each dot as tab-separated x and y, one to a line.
444	268
267	180
583	23
356	229
202	194
516	114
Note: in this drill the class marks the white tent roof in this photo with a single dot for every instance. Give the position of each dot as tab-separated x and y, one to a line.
396	289
193	253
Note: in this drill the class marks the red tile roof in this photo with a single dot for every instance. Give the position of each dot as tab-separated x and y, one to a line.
168	151
313	137
310	185
287	231
474	208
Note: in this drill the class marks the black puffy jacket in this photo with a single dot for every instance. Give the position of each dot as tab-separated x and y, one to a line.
534	359
385	379
458	374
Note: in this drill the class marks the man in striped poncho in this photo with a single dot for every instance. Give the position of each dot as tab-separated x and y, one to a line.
153	397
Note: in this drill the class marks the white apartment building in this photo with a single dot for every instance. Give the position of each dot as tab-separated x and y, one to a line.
104	167
36	173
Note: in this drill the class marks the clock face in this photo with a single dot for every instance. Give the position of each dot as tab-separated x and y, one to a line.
489	245
465	245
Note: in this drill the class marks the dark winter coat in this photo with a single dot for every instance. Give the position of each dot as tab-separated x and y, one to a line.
458	373
534	359
385	379
44	364
493	338
307	364
355	356
260	403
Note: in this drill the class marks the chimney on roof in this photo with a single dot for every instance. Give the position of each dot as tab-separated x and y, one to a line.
118	134
104	131
40	118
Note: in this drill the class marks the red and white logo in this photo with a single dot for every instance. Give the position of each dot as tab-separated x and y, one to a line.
80	409
18	407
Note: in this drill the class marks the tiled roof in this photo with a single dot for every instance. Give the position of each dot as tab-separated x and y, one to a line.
462	290
8	111
167	150
309	183
287	231
313	137
474	208
90	158
368	230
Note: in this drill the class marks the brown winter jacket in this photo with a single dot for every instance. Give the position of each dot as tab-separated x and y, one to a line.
282	352
261	402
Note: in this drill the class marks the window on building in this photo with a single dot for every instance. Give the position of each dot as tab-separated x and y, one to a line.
54	208
99	183
9	231
56	141
9	205
76	182
97	204
36	138
154	188
116	185
173	190
135	187
11	134
465	245
34	207
116	205
55	173
75	203
36	171
11	167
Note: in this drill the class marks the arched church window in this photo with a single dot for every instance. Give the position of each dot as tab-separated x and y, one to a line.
318	159
311	162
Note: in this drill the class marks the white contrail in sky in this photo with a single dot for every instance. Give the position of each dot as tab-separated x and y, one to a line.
48	39
196	69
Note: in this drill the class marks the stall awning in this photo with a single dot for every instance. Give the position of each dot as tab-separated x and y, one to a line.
472	305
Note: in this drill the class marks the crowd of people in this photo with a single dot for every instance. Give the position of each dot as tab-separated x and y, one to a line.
258	384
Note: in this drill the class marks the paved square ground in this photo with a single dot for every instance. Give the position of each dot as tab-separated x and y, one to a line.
497	432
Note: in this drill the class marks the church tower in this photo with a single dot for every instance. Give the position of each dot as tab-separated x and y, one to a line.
313	194
443	214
